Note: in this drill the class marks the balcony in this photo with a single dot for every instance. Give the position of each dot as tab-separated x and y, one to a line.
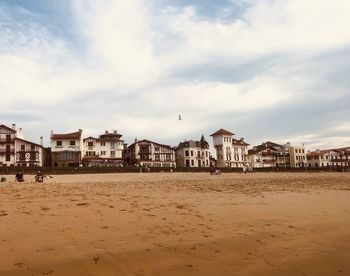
5	140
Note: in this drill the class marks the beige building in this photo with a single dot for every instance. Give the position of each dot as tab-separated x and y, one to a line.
230	152
66	149
297	156
193	154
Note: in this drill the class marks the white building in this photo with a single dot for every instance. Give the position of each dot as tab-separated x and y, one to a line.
230	152
329	158
66	149
269	155
103	151
150	154
16	151
193	154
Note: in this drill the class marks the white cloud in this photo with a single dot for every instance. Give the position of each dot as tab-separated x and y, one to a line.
129	49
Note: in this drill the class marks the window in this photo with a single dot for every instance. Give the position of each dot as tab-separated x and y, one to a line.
191	152
8	157
192	162
59	143
206	154
112	153
32	156
198	153
72	143
103	144
23	147
186	153
103	153
112	145
156	149
32	147
90	144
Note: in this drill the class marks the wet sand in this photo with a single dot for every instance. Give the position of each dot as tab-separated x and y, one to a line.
176	224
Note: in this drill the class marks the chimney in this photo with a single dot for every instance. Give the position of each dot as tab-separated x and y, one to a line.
135	140
41	141
14	126
51	133
318	150
106	131
115	132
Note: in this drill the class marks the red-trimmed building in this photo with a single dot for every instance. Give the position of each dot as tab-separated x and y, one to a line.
150	154
16	151
106	150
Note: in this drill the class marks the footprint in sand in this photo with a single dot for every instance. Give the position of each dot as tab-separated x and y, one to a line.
20	265
96	259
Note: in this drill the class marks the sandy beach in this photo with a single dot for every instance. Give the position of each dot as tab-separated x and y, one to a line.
176	224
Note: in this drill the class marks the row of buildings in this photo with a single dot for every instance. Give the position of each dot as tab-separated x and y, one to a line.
109	149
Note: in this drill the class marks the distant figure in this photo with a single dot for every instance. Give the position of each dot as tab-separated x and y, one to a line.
19	177
3	179
245	169
39	177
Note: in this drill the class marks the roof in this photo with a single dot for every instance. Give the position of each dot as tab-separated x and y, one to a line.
239	142
148	141
202	143
72	135
28	142
221	131
319	152
270	144
8	128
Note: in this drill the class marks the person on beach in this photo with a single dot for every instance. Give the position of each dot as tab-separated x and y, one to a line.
19	177
39	176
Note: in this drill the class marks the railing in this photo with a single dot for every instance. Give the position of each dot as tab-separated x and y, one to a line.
5	140
7	151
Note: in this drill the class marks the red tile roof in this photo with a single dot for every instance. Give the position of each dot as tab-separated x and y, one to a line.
222	131
72	135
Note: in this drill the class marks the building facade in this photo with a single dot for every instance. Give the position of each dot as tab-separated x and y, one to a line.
106	150
150	154
269	155
194	154
16	151
66	149
297	156
329	158
230	152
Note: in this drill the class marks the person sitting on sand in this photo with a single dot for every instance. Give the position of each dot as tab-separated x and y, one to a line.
19	177
39	176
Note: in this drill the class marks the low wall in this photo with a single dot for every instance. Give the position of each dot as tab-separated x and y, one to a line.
132	169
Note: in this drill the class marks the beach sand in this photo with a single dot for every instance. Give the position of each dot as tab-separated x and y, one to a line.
176	224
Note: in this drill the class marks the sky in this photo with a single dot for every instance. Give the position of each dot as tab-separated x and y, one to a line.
275	70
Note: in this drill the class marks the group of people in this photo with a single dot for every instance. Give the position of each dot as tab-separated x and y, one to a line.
39	177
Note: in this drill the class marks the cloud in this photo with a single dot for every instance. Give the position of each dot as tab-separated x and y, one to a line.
257	68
